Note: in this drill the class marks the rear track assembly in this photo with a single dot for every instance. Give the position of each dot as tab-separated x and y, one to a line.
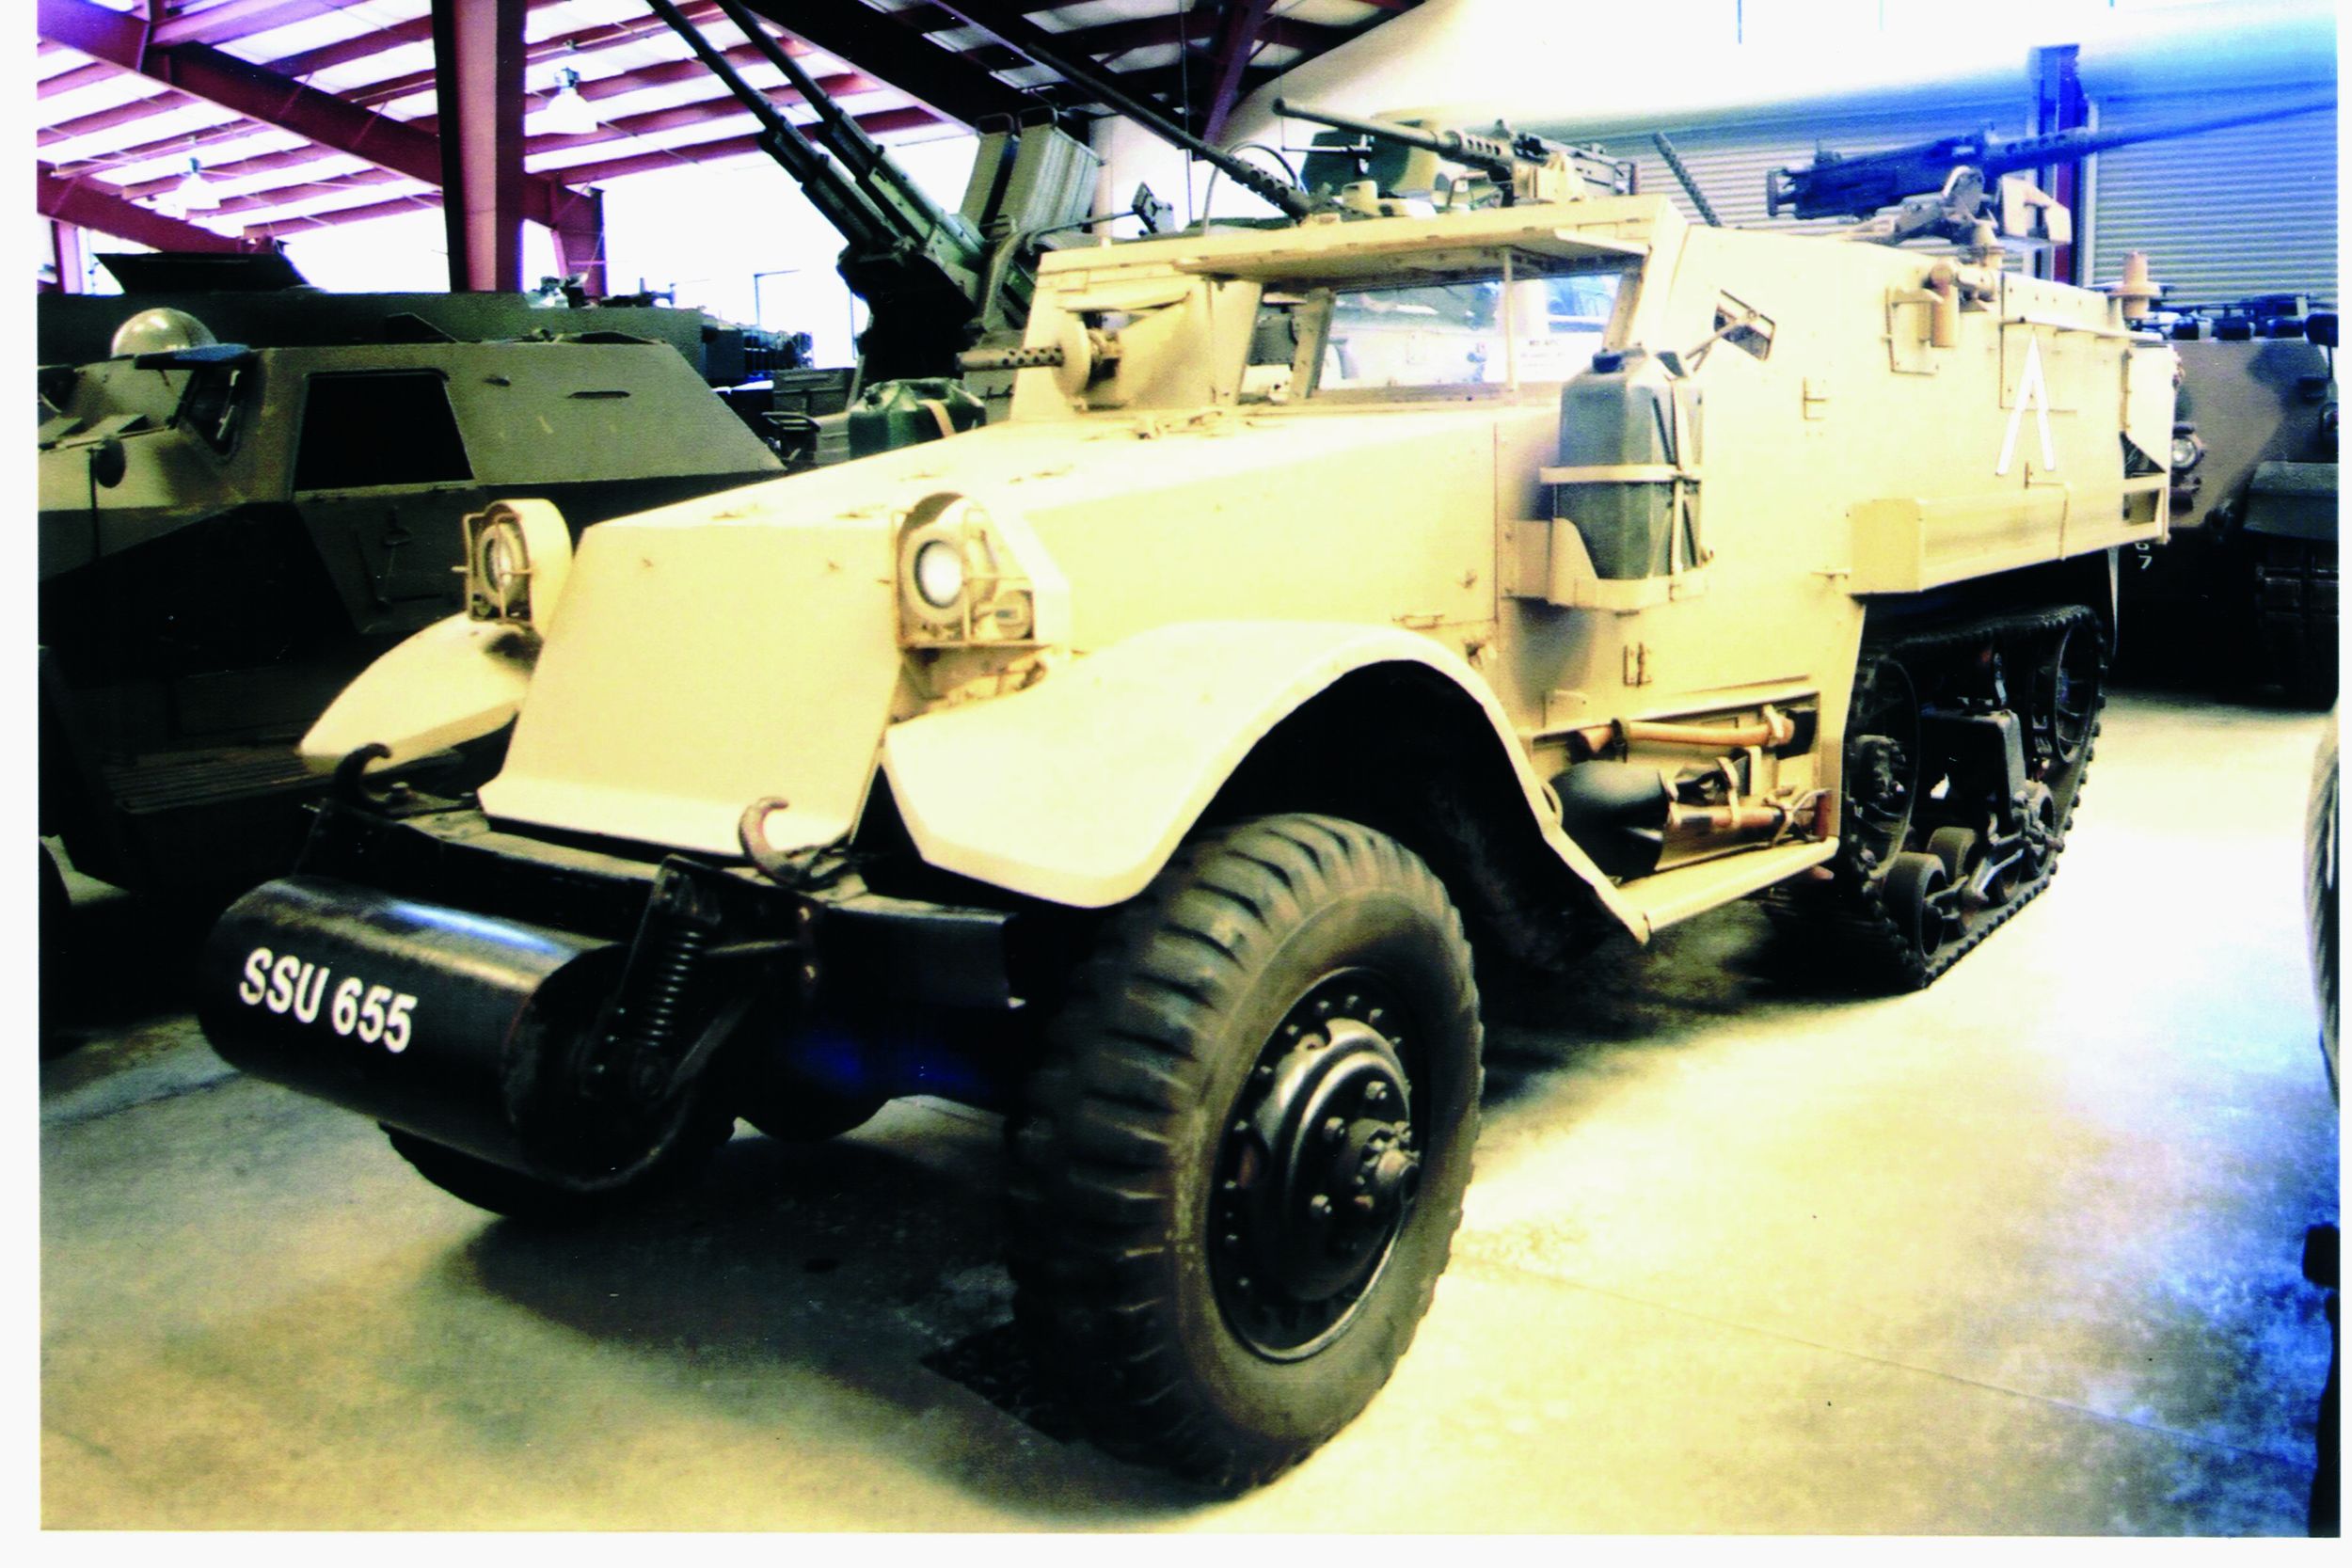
1912	893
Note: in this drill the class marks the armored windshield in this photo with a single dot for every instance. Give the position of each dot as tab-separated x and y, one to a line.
1468	333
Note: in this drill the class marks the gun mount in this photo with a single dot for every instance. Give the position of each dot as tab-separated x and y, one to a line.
938	282
1516	166
1941	189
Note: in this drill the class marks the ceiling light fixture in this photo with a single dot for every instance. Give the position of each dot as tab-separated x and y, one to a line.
195	194
567	113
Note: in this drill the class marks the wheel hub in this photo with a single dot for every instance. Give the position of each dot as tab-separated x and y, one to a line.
1318	1170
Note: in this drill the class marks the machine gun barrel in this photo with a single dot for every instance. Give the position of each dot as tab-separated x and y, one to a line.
1027	38
848	208
1493	154
1856	186
903	203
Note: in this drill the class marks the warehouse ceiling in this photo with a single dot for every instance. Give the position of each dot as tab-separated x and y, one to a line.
305	113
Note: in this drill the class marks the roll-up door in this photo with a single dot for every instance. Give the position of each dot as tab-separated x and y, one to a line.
2226	214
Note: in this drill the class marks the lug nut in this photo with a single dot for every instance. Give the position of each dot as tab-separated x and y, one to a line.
1320	1206
1376	1094
1334	1129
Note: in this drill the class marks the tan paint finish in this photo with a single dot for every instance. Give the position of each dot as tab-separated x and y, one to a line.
1167	716
699	666
739	648
457	680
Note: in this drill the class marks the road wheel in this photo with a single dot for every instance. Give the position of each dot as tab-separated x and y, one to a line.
1916	886
1238	1172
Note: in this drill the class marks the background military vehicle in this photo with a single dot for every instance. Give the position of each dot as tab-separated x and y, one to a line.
2249	583
1347	614
229	531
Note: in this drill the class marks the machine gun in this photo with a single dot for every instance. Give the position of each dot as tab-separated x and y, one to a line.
1941	189
1516	165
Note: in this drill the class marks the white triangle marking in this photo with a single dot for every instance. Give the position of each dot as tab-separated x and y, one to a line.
2030	389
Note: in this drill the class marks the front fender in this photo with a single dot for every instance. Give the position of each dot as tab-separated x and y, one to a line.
456	680
1078	789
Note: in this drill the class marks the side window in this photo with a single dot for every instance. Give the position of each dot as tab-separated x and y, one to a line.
368	428
1459	334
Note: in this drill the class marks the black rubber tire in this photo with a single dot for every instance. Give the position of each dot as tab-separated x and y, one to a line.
1910	881
528	1200
56	936
1952	846
1115	1151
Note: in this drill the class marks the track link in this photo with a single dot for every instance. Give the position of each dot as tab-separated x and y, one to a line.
1851	914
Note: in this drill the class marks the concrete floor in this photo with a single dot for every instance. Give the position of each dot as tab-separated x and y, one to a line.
2017	1254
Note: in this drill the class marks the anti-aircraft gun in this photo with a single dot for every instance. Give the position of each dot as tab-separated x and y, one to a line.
938	283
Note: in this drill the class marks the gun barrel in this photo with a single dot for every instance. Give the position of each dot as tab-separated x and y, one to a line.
2060	146
1025	37
1486	152
1863	184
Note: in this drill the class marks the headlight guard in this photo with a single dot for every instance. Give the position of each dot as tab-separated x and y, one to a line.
970	574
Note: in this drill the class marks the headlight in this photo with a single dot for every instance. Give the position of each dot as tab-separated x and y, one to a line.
518	554
939	572
2187	451
970	575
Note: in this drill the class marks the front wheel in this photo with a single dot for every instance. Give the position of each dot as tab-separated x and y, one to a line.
1237	1175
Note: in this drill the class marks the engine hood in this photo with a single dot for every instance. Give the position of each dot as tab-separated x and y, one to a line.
745	645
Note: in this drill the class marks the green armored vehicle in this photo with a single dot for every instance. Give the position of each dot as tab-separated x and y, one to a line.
1348	615
2253	561
227	533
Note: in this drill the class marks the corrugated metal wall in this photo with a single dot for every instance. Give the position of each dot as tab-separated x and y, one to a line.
2227	214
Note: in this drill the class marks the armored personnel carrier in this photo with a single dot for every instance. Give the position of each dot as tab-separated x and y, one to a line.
2252	566
1348	614
227	533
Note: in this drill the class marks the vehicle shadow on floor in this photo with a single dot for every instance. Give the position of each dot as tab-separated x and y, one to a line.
117	960
1729	962
856	1262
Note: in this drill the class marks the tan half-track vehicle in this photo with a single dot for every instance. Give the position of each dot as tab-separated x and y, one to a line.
1348	613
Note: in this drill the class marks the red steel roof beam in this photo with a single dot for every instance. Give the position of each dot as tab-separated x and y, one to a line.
477	88
881	122
236	19
605	35
79	202
873	41
1116	38
80	76
271	99
614	130
1236	42
585	42
122	113
701	112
